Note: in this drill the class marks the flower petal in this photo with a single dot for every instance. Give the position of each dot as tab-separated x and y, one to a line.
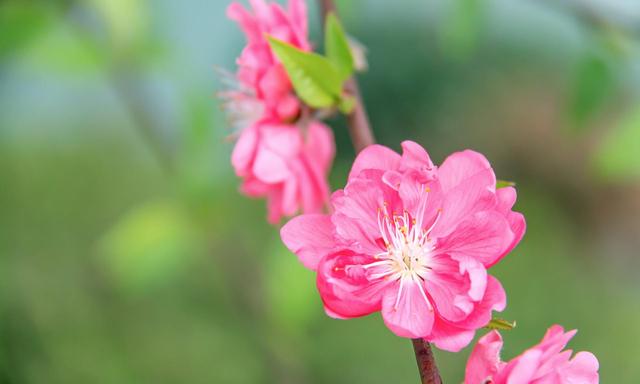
412	316
374	157
484	361
448	337
461	202
245	150
582	369
344	287
449	288
459	167
415	157
484	236
520	370
310	237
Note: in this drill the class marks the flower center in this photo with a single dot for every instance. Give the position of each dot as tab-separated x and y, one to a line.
409	249
408	246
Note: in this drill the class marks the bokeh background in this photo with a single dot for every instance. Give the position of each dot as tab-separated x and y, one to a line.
127	255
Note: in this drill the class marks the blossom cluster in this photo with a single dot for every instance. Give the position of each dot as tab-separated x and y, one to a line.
281	154
404	237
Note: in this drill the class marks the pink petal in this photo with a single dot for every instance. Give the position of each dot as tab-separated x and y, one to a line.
414	157
274	203
253	187
520	370
244	151
344	287
463	200
484	236
310	237
298	13
412	316
583	369
449	289
374	157
290	197
477	275
495	299
462	166
274	84
270	167
239	14
506	199
484	361
356	212
285	140
288	107
448	337
320	145
314	190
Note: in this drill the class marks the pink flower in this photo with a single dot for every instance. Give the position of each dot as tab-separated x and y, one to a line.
286	165
278	156
260	75
413	241
544	363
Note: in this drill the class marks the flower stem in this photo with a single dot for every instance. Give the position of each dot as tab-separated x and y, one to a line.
358	121
426	362
361	137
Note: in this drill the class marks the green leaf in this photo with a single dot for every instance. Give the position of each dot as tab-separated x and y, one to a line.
127	21
461	31
337	47
315	78
501	324
148	246
20	23
619	155
504	184
593	83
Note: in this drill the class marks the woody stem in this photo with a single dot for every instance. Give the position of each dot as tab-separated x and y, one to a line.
358	121
427	367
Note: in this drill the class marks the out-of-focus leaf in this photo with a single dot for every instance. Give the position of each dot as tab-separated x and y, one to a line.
461	30
315	78
20	22
337	47
504	184
148	246
501	324
291	289
62	49
126	21
594	80
619	155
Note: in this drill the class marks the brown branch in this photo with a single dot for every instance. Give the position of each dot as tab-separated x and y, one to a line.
426	363
362	136
358	121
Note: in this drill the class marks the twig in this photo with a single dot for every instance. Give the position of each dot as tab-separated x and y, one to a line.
427	367
362	136
358	121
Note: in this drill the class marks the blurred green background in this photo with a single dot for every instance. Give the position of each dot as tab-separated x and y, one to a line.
127	255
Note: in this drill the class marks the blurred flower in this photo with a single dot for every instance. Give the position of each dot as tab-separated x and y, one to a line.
544	363
413	241
260	74
286	165
281	153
